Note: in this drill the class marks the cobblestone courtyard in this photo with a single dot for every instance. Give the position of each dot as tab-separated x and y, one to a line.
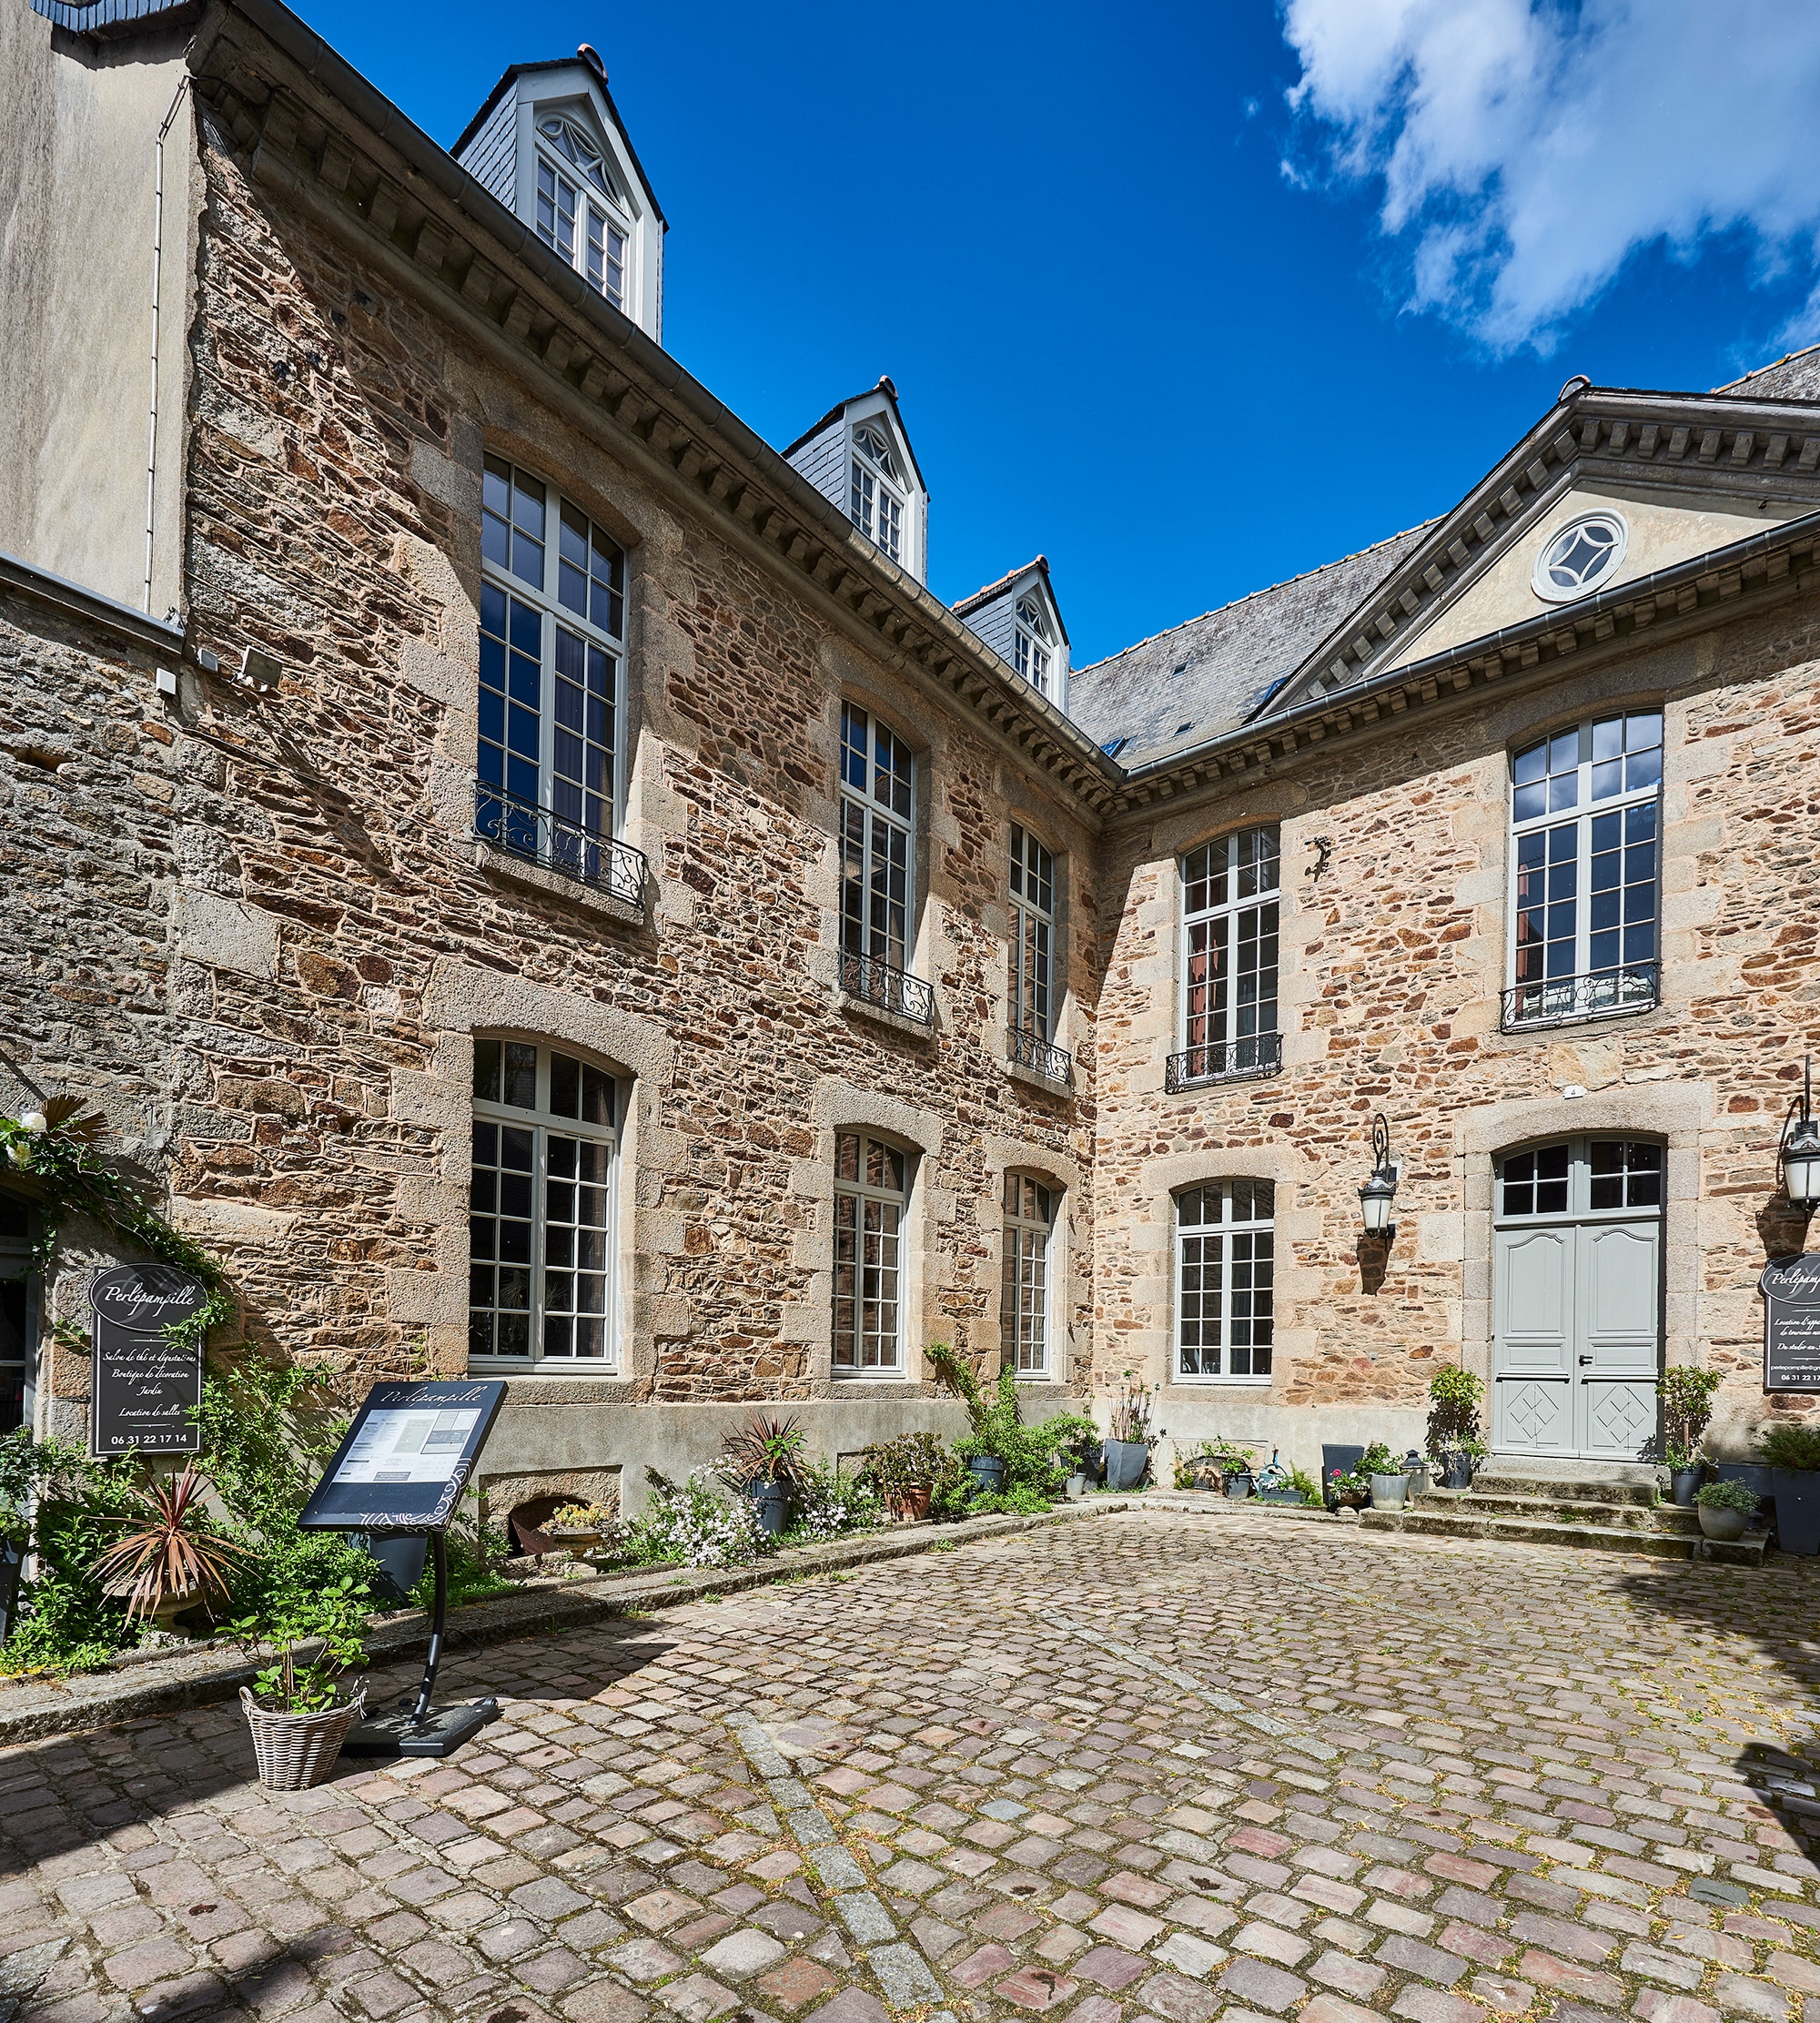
1144	1765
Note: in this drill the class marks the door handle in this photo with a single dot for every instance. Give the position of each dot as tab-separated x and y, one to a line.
1585	1361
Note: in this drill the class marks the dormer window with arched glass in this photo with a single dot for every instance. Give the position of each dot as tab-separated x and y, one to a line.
874	502
580	210
1034	645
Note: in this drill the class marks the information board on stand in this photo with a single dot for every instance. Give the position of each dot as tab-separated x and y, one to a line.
401	1468
144	1388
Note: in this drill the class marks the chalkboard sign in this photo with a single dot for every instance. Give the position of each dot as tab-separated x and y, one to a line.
406	1457
144	1388
1791	1293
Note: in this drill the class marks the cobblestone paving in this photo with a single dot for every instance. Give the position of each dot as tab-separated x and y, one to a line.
1152	1766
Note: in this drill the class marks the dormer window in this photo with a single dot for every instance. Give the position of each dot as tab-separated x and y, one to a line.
874	505
580	213
1034	644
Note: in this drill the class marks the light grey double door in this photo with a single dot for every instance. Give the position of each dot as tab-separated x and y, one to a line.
1576	1299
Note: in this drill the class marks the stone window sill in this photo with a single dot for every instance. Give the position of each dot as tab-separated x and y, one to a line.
558	885
881	1014
1042	1083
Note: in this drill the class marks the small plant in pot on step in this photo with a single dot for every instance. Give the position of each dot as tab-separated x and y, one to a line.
1128	1437
1724	1509
1686	1410
763	1460
1454	1440
904	1471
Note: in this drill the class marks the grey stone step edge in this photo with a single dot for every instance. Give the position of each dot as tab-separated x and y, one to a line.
1747	1550
138	1686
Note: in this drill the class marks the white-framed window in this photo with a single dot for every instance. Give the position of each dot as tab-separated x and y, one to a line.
18	1313
580	211
1033	928
1024	1301
878	853
1034	644
1229	907
552	626
874	502
1225	1265
870	1181
542	1211
1582	558
1586	822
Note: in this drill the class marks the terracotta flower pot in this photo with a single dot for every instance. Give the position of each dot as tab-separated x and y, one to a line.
910	1503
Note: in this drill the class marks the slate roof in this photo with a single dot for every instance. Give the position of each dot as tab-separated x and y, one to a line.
1210	675
998	589
887	387
1794	378
517	70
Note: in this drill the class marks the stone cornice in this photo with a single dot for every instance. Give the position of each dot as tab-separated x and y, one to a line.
312	126
1752	450
1729	582
122	620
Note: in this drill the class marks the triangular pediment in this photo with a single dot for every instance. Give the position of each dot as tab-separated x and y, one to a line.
1612	487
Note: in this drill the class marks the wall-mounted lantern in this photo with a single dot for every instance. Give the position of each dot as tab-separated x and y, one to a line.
1800	1147
1377	1198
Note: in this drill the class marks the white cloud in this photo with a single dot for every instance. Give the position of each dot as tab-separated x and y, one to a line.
1525	151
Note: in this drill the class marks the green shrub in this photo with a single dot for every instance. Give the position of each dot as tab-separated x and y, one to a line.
825	1504
1790	1446
1454	1397
1036	1457
1727	1496
1015	1502
1306	1486
1686	1410
65	1622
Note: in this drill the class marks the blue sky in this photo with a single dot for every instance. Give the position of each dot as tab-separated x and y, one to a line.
1143	314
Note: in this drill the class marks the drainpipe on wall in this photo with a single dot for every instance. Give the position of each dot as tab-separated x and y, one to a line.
157	262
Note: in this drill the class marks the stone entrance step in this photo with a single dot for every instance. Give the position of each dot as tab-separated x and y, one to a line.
1617	1522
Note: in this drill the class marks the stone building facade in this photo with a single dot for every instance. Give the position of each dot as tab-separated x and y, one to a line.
557	898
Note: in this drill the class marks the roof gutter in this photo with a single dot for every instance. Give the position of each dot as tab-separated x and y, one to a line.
127	619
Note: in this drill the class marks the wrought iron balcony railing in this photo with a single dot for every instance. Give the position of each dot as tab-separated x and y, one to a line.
1233	1060
1031	1050
1599	994
541	836
891	990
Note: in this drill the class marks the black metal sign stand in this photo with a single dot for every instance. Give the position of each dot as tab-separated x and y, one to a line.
415	1728
400	1470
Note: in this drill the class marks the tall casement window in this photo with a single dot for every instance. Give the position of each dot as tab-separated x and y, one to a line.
1034	644
874	497
869	1204
1024	1302
1585	816
540	1241
1033	928
1229	946
878	865
580	211
1225	1261
17	1312
552	627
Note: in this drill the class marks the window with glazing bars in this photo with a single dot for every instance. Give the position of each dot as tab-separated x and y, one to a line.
873	506
1585	807
578	208
1225	1266
1024	1301
552	624
869	1202
1033	926
877	853
540	1228
1032	644
1229	939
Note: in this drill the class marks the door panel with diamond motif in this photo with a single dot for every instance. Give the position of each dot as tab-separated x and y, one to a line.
1577	1298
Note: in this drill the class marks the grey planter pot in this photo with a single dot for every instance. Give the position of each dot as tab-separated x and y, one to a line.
1125	1460
771	1505
1797	1510
988	1473
1389	1492
1455	1469
1722	1525
1238	1487
1682	1482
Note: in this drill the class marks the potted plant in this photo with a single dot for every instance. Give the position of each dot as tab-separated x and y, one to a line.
1792	1453
298	1722
1128	1436
1389	1483
763	1460
1003	1455
1724	1509
1686	1396
904	1471
580	1529
1348	1489
168	1562
1454	1439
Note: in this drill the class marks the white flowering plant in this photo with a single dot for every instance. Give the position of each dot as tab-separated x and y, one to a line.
828	1504
687	1523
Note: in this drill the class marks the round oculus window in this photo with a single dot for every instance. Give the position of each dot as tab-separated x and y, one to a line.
1584	554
